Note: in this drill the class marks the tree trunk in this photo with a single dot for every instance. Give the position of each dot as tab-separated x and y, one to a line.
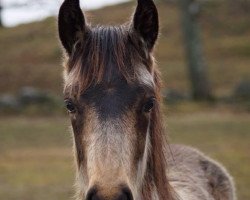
1	8
196	64
243	5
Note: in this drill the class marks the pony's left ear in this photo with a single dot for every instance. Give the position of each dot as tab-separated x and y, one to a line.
146	22
71	24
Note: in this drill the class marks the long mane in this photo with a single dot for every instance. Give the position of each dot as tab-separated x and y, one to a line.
157	163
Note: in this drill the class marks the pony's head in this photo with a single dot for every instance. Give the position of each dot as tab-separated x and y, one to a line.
112	96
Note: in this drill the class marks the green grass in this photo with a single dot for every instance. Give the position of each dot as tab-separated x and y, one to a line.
36	161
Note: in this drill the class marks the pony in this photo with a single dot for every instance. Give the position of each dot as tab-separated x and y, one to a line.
112	94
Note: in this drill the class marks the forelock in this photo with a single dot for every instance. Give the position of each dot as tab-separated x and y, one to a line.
108	52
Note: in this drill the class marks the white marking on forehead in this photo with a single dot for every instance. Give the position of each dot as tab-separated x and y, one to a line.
145	77
108	152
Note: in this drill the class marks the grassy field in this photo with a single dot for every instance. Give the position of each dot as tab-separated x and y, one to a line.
30	54
35	152
36	161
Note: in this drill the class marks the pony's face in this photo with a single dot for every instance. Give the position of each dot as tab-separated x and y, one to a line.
111	123
110	94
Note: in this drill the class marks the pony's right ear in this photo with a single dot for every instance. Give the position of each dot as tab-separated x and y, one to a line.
146	22
71	24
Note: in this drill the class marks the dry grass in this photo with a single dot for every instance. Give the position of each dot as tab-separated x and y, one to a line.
35	153
36	161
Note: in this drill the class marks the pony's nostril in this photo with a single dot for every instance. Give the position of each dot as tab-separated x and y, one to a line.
92	195
126	194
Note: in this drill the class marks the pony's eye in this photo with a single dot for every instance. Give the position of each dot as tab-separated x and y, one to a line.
70	106
149	105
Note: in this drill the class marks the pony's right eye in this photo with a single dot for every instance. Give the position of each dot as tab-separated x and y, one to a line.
70	106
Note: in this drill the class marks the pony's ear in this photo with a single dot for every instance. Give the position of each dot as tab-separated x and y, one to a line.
71	24
146	22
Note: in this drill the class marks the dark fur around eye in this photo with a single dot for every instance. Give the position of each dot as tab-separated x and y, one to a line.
70	106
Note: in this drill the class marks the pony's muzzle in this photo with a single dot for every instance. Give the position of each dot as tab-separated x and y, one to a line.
124	194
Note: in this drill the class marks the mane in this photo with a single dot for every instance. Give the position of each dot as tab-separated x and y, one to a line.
106	51
102	52
157	163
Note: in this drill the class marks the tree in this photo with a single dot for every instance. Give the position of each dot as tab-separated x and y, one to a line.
190	10
1	8
243	5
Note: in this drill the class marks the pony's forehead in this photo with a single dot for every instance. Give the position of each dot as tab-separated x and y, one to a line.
142	79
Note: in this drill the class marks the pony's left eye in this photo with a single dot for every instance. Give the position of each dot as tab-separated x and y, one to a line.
149	105
70	106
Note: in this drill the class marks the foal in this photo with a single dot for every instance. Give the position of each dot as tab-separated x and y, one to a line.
112	93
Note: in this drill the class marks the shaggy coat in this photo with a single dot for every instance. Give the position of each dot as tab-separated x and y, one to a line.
112	93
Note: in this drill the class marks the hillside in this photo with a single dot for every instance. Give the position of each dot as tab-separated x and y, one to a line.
30	54
35	144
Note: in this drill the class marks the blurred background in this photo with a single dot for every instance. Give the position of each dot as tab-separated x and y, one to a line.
204	56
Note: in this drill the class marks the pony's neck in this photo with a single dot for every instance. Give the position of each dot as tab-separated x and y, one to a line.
156	188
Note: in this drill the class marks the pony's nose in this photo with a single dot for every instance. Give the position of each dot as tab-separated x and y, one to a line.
92	195
125	194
